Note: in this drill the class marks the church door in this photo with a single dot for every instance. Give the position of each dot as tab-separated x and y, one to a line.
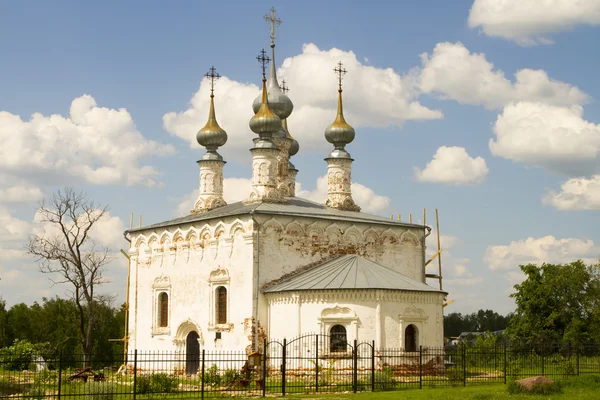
410	338
192	353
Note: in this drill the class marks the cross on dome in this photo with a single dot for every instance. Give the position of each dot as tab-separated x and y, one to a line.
263	59
340	71
213	75
273	20
284	87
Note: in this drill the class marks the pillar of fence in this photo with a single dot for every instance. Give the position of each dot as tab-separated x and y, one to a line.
59	373
577	355
135	373
373	366
317	363
264	374
202	375
464	357
420	367
355	367
283	362
505	369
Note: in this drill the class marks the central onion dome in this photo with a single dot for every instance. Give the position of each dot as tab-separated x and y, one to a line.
339	133
265	122
278	102
212	136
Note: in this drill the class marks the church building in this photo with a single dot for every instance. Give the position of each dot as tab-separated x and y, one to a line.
274	266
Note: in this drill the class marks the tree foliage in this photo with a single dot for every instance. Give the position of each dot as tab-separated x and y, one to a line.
557	303
67	251
480	321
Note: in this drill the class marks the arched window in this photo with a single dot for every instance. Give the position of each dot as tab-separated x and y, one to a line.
338	338
410	338
163	310
221	305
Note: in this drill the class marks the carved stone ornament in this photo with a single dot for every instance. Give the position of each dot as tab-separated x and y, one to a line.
219	274
162	282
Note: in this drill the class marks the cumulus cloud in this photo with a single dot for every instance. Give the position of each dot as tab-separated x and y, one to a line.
453	166
95	144
547	249
555	138
529	22
373	97
238	189
453	72
576	194
20	194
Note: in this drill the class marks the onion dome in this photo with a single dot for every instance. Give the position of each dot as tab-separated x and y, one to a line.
295	145
265	122
212	136
278	101
339	133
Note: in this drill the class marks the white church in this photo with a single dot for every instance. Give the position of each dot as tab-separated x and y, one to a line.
274	266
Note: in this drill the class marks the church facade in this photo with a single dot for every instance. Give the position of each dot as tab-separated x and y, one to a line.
274	266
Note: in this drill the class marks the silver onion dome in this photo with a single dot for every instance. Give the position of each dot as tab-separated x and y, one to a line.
278	101
295	145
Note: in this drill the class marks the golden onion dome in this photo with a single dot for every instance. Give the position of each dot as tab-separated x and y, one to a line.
265	122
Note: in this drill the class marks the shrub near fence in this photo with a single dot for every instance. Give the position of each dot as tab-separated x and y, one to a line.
303	365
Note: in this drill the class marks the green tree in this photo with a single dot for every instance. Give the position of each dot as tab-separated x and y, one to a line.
4	331
557	303
480	321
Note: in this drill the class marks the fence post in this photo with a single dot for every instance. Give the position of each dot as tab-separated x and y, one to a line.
283	361
464	365
134	374
264	376
317	364
420	367
577	355
355	369
542	351
202	375
373	366
505	367
59	373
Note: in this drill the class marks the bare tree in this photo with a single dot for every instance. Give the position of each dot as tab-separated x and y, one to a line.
66	249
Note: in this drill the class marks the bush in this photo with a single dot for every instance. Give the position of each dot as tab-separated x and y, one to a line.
545	390
101	390
36	393
211	375
455	376
156	383
46	377
384	379
19	356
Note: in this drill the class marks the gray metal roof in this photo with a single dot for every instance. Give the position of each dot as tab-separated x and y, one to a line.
294	206
349	272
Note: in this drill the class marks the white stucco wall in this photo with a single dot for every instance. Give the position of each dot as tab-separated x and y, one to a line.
368	315
189	263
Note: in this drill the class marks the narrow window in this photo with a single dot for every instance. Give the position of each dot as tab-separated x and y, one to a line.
410	338
338	338
221	305
163	310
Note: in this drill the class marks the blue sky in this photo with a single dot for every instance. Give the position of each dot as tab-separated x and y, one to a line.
499	205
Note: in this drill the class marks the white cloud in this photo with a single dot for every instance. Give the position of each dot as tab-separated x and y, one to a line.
98	145
469	78
555	138
547	249
576	194
453	166
530	22
238	189
20	194
373	97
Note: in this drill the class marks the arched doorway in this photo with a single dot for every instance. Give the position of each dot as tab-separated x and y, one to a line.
192	353
410	338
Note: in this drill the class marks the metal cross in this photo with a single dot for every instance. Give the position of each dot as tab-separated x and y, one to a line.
340	71
273	20
213	75
284	88
263	59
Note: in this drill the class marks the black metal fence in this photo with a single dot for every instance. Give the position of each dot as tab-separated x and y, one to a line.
308	364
